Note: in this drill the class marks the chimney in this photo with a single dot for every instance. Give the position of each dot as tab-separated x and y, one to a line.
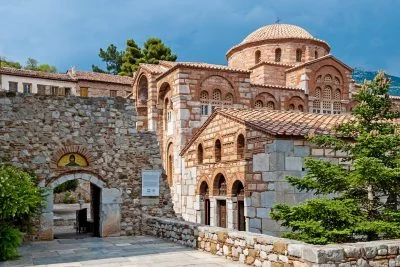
73	70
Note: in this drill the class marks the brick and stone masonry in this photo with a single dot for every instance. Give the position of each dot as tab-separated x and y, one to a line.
35	131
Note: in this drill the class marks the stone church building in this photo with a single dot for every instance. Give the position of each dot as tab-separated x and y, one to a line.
276	69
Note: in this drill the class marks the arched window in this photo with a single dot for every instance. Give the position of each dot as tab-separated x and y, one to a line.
328	78
143	90
278	55
240	146
317	92
216	95
300	108
257	56
316	54
166	113
337	95
299	54
218	149
229	98
327	93
337	81
204	96
270	105
319	79
200	154
337	106
258	104
291	107
170	164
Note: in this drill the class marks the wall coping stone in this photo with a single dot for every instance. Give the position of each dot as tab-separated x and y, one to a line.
256	249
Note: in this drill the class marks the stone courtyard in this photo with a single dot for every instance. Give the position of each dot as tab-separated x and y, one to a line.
114	251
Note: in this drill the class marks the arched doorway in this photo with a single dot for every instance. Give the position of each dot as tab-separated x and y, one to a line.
205	199
220	193
238	192
105	206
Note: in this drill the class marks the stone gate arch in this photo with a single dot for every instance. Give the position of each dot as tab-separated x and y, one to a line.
109	205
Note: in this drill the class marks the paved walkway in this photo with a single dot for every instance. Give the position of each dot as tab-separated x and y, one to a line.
115	251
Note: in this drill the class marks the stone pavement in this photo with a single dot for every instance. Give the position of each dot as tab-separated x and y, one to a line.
114	251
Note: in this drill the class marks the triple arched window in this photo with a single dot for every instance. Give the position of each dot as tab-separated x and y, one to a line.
209	104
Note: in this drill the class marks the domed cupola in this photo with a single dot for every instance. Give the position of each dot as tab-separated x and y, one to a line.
263	42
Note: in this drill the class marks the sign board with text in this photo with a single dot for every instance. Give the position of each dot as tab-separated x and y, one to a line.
151	183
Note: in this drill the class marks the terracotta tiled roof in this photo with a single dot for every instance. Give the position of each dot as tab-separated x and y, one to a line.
36	74
201	65
278	123
102	77
285	122
155	68
278	31
275	86
319	59
272	64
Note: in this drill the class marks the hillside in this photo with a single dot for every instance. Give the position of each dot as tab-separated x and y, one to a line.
360	75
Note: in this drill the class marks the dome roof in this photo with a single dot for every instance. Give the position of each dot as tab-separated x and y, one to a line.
278	31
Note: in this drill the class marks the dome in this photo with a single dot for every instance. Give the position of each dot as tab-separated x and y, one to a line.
278	31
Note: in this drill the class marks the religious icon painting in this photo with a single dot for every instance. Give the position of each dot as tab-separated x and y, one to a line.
72	160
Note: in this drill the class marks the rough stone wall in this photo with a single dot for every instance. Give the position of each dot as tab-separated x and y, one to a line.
245	58
35	131
263	250
97	89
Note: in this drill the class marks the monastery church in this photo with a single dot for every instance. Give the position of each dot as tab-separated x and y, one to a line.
230	134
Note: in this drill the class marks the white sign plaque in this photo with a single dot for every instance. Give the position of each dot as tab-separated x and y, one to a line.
151	183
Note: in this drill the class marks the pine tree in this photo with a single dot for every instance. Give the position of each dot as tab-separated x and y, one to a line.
130	58
113	59
366	192
155	50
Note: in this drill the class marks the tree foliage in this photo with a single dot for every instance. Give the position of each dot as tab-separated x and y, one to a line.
9	64
127	61
365	191
33	64
20	199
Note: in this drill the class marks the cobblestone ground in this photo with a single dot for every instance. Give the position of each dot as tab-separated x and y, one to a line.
118	251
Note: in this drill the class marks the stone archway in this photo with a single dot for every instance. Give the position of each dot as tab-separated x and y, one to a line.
109	207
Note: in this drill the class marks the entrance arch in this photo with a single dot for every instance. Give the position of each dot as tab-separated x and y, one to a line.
109	202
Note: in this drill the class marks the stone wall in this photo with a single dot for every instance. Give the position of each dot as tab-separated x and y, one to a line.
36	131
264	250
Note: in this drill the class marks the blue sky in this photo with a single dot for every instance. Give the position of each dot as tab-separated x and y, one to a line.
362	33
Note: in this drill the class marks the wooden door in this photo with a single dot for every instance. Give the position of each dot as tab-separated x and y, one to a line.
222	213
240	216
207	211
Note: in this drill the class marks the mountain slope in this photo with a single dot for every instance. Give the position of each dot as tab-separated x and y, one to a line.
360	75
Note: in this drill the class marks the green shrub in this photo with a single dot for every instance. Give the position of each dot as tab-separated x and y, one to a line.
69	198
20	200
70	185
10	240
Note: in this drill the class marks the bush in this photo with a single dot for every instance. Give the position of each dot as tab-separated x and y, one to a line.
70	185
69	198
10	240
20	200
